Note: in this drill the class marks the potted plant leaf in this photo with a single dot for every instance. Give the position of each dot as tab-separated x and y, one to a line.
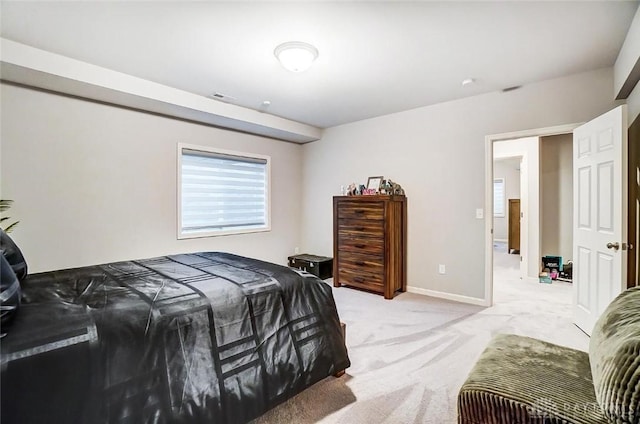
6	226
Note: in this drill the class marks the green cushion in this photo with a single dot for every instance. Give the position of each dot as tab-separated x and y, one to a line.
614	351
524	380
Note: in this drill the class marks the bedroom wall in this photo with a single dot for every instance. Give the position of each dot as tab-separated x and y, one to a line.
438	154
93	183
509	170
556	194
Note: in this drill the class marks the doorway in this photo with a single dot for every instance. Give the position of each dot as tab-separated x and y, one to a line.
508	240
538	221
524	144
506	204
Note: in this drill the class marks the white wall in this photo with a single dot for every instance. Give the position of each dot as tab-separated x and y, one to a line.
509	169
94	183
556	188
437	153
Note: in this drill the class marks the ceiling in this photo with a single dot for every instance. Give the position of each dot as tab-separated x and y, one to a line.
375	58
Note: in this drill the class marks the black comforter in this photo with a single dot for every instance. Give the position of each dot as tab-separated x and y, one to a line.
206	337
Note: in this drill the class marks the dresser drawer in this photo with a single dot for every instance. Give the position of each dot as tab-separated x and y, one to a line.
349	242
361	210
361	280
361	227
361	263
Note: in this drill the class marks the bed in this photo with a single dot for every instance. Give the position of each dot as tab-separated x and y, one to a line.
194	338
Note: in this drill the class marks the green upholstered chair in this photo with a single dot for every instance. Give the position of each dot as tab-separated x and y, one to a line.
524	380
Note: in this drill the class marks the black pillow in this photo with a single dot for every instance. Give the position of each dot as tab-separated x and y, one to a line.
13	255
10	294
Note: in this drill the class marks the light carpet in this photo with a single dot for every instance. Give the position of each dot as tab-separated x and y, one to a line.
410	355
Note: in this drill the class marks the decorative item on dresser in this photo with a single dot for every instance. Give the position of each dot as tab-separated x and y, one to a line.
369	243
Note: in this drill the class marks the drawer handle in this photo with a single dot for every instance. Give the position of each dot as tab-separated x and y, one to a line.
360	263
360	228
360	246
358	280
359	211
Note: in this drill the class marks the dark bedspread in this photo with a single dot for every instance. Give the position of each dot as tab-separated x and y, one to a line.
206	337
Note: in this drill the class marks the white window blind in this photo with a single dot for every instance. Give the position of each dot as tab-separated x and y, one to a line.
222	192
498	197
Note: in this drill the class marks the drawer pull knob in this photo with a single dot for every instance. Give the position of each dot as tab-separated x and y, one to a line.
360	246
358	280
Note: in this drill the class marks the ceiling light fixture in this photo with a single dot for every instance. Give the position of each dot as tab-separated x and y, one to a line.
296	56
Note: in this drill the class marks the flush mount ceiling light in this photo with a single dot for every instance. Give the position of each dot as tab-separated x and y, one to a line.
296	56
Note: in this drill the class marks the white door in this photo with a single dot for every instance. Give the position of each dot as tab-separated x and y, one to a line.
599	215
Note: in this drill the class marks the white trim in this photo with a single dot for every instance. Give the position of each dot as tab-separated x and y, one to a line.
448	296
488	193
488	223
186	146
539	132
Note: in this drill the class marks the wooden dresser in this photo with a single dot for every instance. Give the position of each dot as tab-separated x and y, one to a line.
369	243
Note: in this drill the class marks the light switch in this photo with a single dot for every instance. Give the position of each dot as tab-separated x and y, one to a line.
479	213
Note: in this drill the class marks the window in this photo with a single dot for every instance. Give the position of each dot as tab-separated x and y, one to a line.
221	192
498	197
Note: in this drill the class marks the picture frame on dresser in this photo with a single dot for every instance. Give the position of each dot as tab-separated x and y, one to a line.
374	183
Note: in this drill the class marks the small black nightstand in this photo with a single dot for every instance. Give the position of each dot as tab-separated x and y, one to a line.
320	266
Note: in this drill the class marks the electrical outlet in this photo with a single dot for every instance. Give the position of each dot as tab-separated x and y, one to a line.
296	250
479	213
441	269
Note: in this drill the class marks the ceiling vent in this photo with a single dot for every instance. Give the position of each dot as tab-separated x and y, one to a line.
222	97
515	87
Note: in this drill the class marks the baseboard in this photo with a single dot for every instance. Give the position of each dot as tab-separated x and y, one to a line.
501	240
448	296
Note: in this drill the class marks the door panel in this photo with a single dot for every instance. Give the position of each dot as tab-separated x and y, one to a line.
584	198
607	289
605	197
582	272
600	173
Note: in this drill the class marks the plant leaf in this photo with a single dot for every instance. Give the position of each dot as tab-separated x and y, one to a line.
10	227
5	204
